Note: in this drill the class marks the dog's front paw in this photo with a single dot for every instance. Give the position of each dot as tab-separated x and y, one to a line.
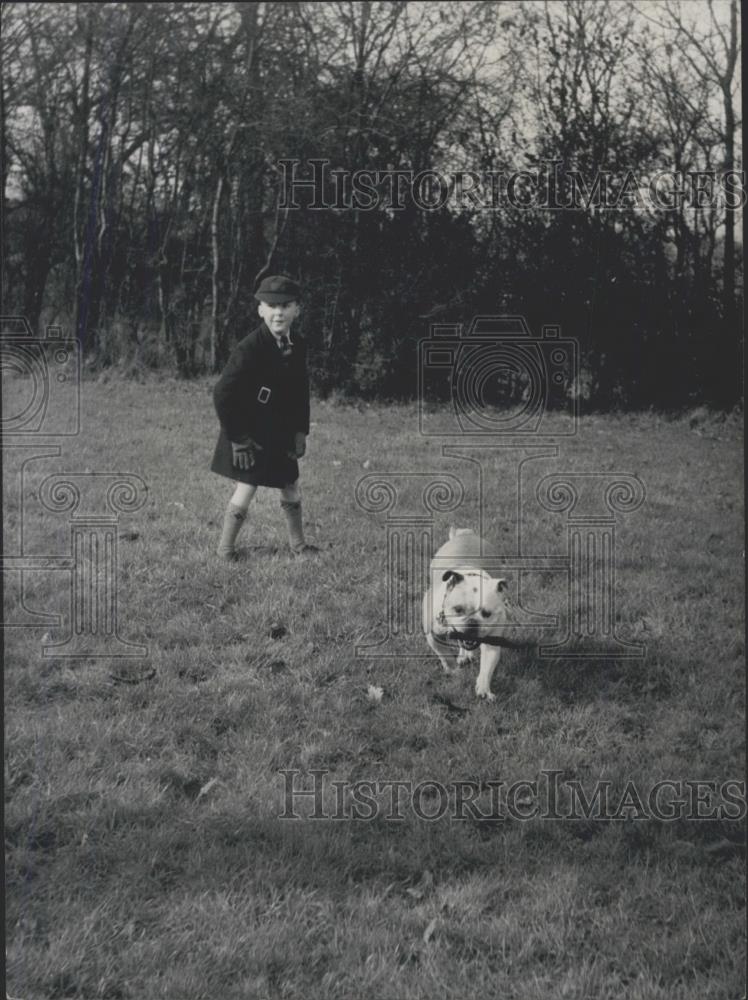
482	692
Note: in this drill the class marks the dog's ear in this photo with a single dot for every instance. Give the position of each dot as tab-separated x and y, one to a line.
501	585
452	577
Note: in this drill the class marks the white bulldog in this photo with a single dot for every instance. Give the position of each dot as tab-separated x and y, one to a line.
464	605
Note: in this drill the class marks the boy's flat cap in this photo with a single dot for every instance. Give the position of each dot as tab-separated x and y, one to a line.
278	288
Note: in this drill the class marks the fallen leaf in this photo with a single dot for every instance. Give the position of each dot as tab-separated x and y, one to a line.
375	693
429	932
206	788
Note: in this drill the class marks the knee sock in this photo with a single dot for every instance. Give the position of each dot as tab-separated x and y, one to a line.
233	520
292	510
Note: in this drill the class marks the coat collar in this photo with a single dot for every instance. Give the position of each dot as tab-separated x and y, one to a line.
269	339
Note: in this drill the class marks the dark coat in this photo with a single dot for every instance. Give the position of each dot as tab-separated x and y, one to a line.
263	396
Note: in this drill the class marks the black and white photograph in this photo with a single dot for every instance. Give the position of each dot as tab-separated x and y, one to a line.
373	548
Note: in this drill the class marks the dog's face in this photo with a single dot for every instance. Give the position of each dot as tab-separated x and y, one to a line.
469	605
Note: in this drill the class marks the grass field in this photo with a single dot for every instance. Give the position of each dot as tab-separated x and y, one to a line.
146	856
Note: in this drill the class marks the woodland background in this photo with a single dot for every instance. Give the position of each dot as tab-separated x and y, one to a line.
141	188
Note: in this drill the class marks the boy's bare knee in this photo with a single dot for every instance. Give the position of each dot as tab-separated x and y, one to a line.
292	493
243	495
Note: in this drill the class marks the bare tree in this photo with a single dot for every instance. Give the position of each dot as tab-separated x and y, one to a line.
710	47
681	126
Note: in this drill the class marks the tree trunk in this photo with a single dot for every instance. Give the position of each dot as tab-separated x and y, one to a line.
216	347
5	249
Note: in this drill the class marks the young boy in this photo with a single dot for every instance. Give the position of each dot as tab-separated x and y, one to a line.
262	402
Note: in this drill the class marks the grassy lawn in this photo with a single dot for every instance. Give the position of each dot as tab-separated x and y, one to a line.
146	856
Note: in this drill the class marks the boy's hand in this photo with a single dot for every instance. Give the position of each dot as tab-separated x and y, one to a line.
299	448
245	453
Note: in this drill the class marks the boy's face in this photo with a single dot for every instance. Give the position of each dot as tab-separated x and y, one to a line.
279	315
